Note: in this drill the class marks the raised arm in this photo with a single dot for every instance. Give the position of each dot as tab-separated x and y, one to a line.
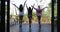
25	3
26	6
15	5
44	8
33	7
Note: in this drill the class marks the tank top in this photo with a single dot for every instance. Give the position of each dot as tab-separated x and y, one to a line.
38	12
21	13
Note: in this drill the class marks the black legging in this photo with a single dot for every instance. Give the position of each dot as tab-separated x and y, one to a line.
20	22
30	21
39	18
39	22
21	18
30	18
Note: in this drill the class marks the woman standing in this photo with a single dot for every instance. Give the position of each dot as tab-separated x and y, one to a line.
39	13
21	14
29	16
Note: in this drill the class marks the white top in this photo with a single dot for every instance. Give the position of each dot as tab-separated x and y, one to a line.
21	13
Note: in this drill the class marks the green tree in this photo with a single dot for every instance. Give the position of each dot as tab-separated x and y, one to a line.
55	8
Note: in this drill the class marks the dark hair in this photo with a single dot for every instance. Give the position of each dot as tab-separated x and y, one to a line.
38	6
21	8
29	8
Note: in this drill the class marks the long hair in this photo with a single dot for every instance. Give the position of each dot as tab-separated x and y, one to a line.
21	8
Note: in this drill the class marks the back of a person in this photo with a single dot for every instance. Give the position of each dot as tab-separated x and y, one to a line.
21	10
29	11
21	13
38	12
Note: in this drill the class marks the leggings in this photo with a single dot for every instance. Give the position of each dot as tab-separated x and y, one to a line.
39	22
30	21
20	22
20	17
39	18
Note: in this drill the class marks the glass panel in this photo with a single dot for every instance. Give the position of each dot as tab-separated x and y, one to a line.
44	25
55	16
5	16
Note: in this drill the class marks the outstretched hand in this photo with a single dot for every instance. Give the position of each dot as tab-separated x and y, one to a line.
26	5
46	7
33	5
25	2
13	4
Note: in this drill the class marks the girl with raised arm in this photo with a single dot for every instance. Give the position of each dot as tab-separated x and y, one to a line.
39	13
21	14
29	16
